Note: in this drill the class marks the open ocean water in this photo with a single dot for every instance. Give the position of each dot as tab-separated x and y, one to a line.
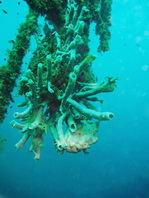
117	166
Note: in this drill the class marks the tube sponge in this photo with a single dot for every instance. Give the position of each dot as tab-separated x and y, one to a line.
89	112
59	84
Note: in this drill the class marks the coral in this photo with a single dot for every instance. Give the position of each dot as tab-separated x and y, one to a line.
10	72
59	85
54	9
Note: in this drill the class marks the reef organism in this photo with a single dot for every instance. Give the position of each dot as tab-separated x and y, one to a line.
59	86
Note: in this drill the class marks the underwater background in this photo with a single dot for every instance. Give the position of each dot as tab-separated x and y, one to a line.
117	166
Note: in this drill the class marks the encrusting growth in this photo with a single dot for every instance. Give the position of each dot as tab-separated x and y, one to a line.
59	86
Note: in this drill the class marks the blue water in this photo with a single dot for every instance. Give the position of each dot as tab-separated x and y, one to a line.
118	164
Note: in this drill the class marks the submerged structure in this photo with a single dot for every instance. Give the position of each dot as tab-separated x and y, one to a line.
59	87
